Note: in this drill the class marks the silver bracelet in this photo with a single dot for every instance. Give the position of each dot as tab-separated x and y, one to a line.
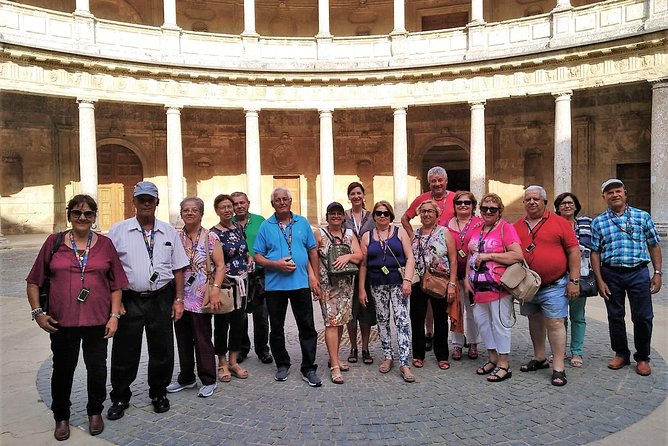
36	312
116	315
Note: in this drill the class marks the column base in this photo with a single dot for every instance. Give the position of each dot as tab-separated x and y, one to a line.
662	228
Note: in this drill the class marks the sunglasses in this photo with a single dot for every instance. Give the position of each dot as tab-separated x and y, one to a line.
491	210
463	202
87	214
382	213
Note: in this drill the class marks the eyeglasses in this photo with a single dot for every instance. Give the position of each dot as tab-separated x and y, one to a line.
382	213
87	214
282	200
427	211
463	202
335	213
566	203
530	199
491	210
190	211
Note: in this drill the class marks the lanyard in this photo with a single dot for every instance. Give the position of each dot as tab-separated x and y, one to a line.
82	258
483	236
628	227
287	236
462	233
423	247
358	226
444	201
537	227
149	241
194	245
384	244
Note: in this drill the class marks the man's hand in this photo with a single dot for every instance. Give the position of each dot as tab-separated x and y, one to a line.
655	284
285	265
177	310
572	290
603	290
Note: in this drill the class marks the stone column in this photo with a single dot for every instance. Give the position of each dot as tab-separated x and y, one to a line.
563	4
253	164
249	18
400	162
323	19
326	160
174	163
477	16
659	155
477	155
169	14
83	8
87	148
399	17
562	143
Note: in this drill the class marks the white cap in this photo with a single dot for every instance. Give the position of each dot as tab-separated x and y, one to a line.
611	182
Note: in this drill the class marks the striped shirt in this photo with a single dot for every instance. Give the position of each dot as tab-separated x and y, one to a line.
168	253
623	240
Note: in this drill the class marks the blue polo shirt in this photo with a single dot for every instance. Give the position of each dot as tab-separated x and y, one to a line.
294	241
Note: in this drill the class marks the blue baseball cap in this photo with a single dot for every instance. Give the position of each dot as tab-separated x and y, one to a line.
145	188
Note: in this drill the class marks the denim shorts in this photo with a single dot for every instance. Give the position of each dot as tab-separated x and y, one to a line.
551	300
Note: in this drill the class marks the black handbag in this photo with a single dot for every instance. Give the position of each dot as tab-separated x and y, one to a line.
46	285
335	251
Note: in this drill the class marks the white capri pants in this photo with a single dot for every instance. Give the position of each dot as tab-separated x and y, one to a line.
489	317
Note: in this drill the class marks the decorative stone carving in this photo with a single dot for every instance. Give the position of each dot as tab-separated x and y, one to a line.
364	145
11	173
362	14
285	154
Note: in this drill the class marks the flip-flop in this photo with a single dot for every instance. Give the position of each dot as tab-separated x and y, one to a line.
385	366
407	375
224	374
419	363
238	372
443	365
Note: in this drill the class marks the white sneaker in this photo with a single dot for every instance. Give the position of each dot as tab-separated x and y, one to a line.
176	387
207	391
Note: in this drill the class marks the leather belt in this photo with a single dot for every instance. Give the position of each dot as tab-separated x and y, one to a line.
625	269
145	294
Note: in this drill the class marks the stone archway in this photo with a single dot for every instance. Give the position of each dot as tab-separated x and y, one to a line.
452	154
119	169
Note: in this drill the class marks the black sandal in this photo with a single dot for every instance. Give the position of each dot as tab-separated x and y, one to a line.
484	370
366	357
559	378
495	378
352	357
534	364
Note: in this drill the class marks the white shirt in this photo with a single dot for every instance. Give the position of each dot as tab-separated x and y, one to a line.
168	253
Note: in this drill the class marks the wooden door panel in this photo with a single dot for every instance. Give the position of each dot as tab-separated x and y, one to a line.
292	184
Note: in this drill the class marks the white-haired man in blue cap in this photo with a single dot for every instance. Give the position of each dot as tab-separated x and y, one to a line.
623	242
153	259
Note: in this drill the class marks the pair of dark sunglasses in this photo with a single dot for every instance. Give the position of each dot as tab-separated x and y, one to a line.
382	213
463	202
491	210
87	214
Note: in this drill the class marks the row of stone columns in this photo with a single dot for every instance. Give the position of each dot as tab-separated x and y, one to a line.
562	153
169	12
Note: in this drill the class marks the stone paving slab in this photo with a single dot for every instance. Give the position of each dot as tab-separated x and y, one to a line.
443	407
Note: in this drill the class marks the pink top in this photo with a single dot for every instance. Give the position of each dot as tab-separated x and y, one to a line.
104	273
446	206
462	238
487	280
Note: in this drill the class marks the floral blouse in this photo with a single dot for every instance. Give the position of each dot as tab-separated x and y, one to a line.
194	290
430	250
235	250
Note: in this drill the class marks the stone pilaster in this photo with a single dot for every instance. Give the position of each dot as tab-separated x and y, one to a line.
659	155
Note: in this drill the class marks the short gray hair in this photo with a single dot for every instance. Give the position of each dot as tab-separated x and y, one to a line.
280	189
198	202
540	189
239	194
437	170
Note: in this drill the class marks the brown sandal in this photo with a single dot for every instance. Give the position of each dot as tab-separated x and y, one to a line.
407	375
238	372
385	366
224	374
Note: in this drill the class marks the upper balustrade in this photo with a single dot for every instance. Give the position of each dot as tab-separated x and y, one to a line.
78	34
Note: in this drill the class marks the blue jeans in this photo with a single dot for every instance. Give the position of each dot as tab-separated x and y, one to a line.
635	284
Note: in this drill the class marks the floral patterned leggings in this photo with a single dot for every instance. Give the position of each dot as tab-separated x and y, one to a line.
384	295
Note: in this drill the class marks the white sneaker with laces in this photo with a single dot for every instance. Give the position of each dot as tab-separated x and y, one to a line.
176	387
207	390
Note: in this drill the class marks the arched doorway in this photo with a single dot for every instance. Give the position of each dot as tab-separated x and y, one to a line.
119	169
451	154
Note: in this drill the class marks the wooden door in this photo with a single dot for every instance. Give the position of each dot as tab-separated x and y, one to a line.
291	183
119	169
636	179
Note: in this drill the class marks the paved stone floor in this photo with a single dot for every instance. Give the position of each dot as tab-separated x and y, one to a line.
454	407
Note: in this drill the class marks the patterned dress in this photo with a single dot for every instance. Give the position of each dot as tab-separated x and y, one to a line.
194	293
337	291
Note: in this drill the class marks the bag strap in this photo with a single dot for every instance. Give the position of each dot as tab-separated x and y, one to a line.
388	246
49	256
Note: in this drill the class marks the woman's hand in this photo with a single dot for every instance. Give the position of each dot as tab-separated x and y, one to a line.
452	293
363	298
214	298
406	288
46	323
122	313
467	286
481	258
342	261
111	327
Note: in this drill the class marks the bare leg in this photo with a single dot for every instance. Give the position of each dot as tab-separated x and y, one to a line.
537	332
366	334
556	334
332	342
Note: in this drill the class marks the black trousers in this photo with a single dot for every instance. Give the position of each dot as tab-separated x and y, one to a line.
65	347
302	309
228	331
418	312
154	314
260	329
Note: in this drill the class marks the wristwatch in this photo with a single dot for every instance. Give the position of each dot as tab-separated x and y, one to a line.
658	272
575	281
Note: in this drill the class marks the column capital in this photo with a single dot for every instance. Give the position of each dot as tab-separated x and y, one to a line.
659	83
399	108
561	95
252	111
84	102
173	108
477	104
325	111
